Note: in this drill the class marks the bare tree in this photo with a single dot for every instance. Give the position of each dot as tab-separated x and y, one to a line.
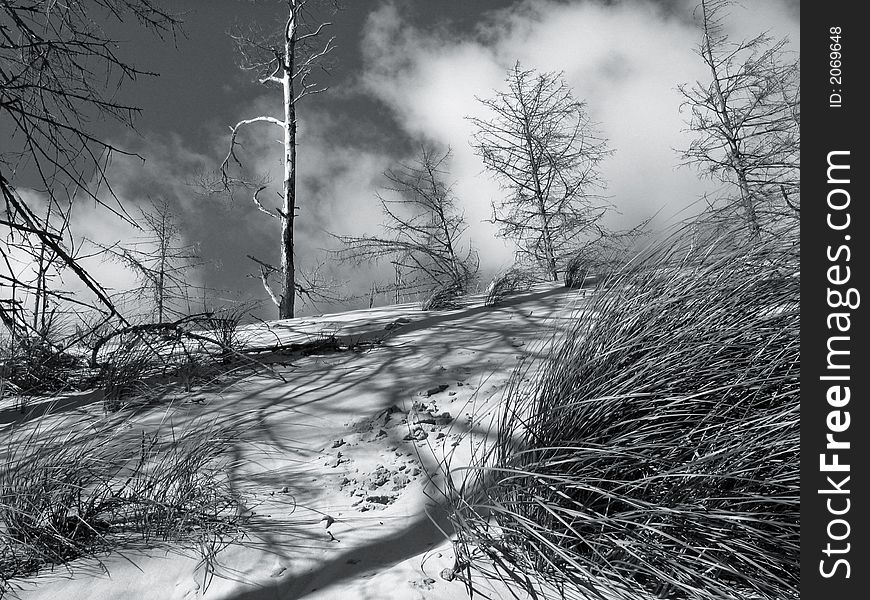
422	232
59	72
160	261
542	147
746	120
30	269
285	61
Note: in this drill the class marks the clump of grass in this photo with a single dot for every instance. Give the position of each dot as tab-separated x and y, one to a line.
594	265
33	365
122	376
222	326
192	371
512	281
578	271
70	488
657	453
446	297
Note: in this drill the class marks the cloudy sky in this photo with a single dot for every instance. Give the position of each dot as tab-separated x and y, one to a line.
404	72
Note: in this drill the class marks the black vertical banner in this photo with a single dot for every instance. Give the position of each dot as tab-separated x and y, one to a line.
835	421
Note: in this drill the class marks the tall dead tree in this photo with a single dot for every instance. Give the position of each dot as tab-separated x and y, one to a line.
543	149
59	73
422	231
286	62
747	120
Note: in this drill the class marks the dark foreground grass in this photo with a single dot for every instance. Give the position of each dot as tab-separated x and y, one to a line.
657	453
72	487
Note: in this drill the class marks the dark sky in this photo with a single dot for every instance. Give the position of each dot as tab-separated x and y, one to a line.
198	82
403	73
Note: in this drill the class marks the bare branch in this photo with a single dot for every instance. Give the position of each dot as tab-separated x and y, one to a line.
231	154
260	207
314	33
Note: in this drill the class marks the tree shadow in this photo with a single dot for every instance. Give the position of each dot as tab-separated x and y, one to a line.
295	421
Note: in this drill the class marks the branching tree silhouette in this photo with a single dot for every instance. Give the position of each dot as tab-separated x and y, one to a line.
59	72
747	120
160	260
544	150
285	61
422	230
31	268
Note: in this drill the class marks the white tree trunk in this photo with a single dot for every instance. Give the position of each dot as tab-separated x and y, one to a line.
288	268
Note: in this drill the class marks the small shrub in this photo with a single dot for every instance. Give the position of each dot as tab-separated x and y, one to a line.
595	262
34	365
446	297
577	272
191	370
512	281
122	376
593	268
222	326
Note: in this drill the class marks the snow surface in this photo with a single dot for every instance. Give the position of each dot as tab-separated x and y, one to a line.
320	439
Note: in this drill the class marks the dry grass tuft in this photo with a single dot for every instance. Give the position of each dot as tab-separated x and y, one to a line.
657	453
72	487
446	297
512	281
34	365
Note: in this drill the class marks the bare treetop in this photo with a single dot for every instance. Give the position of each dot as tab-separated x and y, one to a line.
160	260
543	148
747	120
